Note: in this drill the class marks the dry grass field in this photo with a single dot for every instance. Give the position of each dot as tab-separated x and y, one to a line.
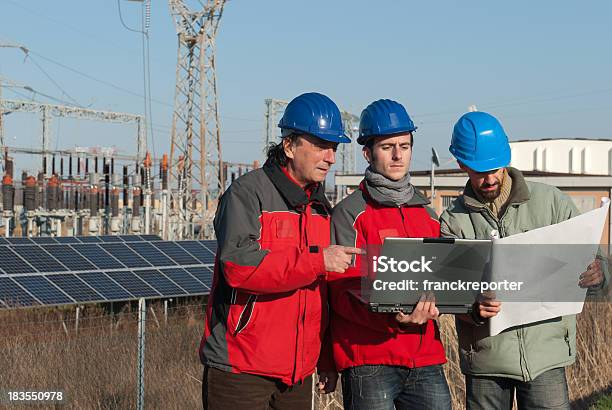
96	367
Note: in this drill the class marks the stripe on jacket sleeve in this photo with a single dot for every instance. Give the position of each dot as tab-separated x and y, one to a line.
344	216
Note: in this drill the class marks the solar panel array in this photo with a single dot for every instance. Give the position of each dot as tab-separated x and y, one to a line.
75	270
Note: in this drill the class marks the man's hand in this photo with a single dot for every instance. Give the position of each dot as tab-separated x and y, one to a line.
487	306
338	258
593	276
424	311
327	382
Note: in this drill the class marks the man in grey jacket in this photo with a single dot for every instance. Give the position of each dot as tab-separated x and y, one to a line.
527	360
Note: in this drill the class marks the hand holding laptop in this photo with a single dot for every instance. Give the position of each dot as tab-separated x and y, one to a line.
486	306
424	311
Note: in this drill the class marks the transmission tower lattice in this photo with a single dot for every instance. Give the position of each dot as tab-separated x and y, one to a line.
195	151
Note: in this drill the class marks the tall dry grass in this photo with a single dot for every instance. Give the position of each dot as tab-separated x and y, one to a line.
589	377
96	367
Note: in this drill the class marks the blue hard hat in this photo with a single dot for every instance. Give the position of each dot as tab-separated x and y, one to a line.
314	114
383	117
480	143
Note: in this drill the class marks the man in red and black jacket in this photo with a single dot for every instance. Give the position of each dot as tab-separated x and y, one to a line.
387	360
267	313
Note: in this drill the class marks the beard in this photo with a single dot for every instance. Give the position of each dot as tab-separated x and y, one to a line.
490	196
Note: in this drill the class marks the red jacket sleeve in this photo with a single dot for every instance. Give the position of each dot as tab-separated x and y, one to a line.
244	264
346	232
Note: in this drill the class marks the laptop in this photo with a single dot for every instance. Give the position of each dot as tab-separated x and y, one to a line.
406	268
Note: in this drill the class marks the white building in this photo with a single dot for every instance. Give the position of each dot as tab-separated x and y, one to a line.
561	155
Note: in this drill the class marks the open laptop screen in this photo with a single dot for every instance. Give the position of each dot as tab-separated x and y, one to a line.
454	270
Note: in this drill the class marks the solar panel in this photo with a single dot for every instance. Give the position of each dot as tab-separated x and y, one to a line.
151	254
38	258
210	244
161	283
201	253
110	238
10	262
13	295
69	257
43	290
128	257
74	287
43	239
178	254
98	256
69	270
133	284
150	238
105	286
182	278
67	239
90	239
201	273
19	240
131	238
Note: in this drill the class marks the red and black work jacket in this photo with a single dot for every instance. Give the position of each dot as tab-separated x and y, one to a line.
361	337
267	312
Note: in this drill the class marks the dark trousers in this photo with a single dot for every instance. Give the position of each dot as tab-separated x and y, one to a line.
382	387
547	391
230	391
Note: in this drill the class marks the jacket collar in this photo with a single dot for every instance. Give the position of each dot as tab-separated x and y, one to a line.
292	193
418	199
519	192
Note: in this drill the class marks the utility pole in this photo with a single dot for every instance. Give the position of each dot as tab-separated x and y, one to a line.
1	123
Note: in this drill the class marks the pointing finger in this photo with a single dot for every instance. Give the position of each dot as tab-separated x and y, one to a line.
353	251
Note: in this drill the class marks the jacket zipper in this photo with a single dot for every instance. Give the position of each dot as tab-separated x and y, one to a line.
300	321
399	208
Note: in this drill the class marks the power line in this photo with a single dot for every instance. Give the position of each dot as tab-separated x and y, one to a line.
90	77
146	64
54	82
122	89
33	91
123	22
146	68
70	27
31	97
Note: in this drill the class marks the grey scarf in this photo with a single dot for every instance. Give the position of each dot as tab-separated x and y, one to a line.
388	192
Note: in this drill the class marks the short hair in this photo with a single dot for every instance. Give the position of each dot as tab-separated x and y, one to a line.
369	144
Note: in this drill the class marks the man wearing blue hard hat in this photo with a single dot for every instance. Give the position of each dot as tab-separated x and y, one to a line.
526	361
387	360
267	313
